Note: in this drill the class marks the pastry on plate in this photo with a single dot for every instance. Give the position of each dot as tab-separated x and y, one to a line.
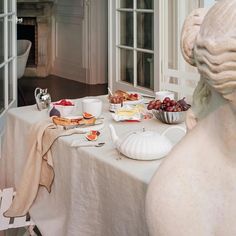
68	122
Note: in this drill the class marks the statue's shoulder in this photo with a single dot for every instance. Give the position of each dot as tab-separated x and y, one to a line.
191	183
173	194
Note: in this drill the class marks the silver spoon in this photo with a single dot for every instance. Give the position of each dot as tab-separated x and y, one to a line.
91	145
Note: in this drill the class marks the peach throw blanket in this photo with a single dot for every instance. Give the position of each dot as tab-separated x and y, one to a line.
38	168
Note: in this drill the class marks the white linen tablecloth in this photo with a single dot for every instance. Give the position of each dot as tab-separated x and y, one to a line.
93	193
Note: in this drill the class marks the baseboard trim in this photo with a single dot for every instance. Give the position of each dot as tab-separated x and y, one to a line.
68	70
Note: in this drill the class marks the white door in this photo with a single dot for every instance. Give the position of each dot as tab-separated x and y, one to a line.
68	40
80	39
8	81
134	45
144	46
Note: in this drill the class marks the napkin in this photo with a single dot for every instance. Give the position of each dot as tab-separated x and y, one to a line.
38	169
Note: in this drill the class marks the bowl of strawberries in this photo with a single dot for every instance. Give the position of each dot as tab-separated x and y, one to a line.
64	106
169	111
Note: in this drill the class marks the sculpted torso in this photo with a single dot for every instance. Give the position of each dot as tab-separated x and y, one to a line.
193	193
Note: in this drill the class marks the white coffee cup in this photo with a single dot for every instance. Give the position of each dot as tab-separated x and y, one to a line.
160	95
92	106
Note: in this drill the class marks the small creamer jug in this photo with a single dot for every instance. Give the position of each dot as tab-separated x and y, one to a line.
42	98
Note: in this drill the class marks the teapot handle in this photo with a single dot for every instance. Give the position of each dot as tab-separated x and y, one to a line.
173	127
35	92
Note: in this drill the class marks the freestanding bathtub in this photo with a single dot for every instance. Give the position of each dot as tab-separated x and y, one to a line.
23	49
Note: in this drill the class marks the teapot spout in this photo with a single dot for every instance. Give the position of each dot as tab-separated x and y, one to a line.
114	136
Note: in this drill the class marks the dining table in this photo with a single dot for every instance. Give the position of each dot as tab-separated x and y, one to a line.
96	191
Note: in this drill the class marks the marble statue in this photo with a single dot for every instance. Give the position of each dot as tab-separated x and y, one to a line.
193	193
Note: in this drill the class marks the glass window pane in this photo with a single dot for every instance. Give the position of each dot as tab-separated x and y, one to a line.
10	82
126	3
126	29
1	6
127	65
1	40
145	30
10	33
2	93
9	5
145	67
145	4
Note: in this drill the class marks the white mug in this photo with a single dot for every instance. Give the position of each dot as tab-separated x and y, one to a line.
92	106
160	95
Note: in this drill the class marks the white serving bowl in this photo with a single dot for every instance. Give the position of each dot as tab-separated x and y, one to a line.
64	110
170	117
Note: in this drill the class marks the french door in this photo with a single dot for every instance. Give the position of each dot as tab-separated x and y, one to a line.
177	75
133	45
8	82
144	51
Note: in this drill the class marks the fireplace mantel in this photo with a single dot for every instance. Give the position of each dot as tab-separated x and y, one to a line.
42	12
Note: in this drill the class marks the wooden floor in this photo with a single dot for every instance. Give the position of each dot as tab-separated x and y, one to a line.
58	88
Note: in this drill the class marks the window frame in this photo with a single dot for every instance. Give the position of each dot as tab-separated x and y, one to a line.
7	41
114	46
161	68
181	89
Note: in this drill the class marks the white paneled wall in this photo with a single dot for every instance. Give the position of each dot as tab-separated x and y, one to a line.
80	40
68	39
97	41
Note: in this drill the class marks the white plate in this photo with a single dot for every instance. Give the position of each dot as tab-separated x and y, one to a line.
87	129
90	128
135	102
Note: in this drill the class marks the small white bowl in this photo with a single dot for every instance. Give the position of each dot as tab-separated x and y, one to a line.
64	110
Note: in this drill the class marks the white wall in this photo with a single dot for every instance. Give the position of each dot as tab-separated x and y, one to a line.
98	42
68	39
80	40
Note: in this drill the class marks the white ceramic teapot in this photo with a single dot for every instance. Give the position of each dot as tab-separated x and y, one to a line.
144	145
